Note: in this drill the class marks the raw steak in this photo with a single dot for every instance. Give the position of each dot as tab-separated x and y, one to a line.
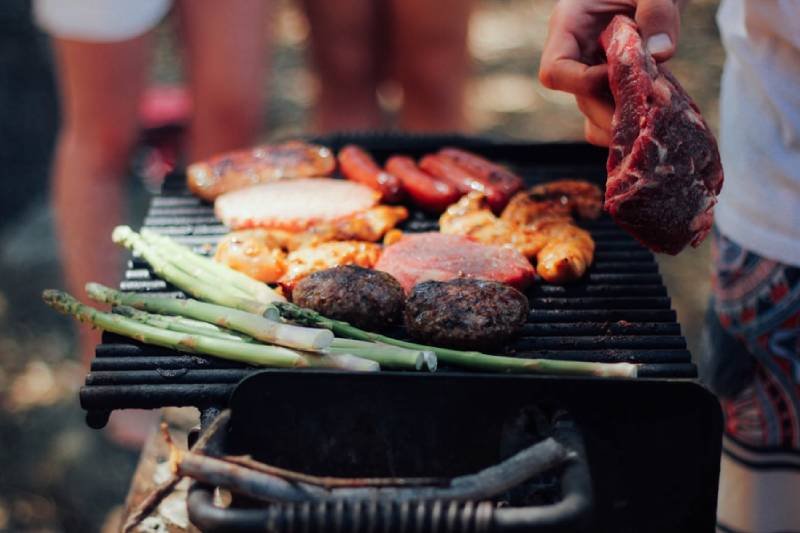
663	165
293	205
436	256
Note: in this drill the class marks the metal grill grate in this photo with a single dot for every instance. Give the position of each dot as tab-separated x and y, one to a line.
619	312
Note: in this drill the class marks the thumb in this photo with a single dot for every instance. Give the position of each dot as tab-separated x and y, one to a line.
659	21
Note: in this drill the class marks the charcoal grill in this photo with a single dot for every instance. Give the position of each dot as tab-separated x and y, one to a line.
619	312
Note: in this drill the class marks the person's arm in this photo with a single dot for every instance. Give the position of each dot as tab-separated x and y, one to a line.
572	59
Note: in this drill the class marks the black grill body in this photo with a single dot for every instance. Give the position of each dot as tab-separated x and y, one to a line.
652	443
652	448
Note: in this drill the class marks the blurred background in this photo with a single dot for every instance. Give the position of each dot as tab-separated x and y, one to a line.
58	475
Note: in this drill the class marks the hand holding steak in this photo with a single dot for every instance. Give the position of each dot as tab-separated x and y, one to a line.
663	165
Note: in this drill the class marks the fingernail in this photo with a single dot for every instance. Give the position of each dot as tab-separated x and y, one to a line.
659	43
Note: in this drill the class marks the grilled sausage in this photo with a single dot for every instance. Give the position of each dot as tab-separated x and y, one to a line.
488	173
357	165
427	192
443	168
243	168
369	299
465	313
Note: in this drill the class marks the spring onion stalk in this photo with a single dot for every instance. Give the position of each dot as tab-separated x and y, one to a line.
254	354
388	356
223	273
256	326
466	359
218	293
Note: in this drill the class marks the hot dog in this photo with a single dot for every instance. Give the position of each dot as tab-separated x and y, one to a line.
444	168
357	165
485	171
427	192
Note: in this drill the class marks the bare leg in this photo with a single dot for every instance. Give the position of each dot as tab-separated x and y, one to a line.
344	41
100	87
227	52
429	48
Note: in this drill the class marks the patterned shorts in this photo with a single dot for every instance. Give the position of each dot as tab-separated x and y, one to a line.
755	343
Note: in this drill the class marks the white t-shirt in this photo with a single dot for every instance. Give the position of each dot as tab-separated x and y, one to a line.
759	207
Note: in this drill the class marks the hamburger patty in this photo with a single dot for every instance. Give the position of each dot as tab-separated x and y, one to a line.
465	313
366	298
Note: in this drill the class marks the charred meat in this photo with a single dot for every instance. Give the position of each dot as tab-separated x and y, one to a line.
465	313
369	299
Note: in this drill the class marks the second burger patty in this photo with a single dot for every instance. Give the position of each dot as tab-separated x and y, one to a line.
465	313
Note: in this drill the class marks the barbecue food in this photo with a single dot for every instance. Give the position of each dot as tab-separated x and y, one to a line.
575	197
293	205
357	165
255	252
543	230
435	256
465	313
261	253
243	168
445	169
366	298
310	259
427	192
490	174
664	170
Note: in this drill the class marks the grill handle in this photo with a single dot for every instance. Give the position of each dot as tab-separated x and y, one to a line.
569	514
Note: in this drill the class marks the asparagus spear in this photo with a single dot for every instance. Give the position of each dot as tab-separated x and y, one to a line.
256	326
387	356
234	350
469	359
255	354
175	323
219	293
258	291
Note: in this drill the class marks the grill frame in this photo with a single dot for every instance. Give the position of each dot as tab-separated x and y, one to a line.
620	312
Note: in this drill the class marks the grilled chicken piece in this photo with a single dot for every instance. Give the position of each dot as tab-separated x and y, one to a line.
568	253
256	252
472	217
555	199
309	259
243	168
261	253
562	250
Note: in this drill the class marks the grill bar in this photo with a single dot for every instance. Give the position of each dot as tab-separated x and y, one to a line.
160	376
586	315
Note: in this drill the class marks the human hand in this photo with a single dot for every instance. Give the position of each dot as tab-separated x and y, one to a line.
572	60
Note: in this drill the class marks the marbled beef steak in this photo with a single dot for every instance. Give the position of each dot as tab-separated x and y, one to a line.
664	171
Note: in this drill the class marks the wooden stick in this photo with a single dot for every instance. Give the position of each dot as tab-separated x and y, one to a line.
331	482
151	502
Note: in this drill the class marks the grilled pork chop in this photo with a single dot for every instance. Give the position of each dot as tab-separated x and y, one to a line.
436	256
664	171
294	205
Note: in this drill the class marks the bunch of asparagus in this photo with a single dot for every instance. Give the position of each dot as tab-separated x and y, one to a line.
244	320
